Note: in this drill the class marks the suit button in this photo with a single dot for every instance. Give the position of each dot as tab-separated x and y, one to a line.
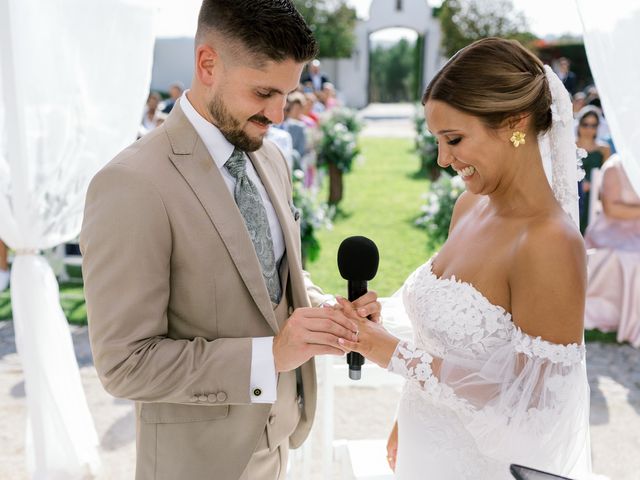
257	392
272	419
221	397
202	398
212	398
290	311
193	399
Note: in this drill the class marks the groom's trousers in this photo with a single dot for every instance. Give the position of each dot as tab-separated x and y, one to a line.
269	460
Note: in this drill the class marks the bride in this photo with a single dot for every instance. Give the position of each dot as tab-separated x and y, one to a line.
496	369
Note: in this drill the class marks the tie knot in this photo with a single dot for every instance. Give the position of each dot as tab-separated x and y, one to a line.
236	163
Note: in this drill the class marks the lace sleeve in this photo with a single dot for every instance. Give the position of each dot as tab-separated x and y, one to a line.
526	392
412	363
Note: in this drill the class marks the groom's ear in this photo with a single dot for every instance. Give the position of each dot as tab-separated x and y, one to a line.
207	59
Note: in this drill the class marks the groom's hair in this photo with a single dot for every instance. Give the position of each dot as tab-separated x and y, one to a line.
265	29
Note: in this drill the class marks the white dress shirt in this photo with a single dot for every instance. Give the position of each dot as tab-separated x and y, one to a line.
263	371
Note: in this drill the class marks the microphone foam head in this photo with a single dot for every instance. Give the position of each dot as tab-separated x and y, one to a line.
358	259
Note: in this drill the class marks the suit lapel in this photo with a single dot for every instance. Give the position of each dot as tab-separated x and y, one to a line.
192	160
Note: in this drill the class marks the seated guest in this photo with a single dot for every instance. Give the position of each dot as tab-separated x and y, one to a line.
175	92
296	105
294	124
309	110
597	152
328	96
313	77
579	101
152	116
613	299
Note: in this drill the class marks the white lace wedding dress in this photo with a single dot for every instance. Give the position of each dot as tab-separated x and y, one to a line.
480	393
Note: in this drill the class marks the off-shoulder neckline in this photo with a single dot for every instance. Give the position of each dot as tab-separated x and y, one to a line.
510	324
453	279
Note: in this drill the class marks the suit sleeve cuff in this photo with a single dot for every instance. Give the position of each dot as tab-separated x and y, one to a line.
263	383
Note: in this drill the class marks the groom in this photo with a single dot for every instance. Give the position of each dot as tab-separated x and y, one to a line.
198	306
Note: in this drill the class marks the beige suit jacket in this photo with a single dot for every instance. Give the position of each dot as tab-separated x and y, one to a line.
175	294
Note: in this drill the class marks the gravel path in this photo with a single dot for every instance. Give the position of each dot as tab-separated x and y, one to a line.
614	375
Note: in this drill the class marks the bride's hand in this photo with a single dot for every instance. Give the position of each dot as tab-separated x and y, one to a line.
392	447
374	342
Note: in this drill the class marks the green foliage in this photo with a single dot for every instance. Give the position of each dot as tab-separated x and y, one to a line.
598	336
380	203
465	21
71	300
437	211
313	216
426	145
332	23
427	150
394	71
417	75
346	116
339	144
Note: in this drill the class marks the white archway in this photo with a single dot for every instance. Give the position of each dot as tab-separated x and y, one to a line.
351	75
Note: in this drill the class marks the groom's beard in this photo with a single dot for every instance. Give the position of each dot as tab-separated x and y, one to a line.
232	129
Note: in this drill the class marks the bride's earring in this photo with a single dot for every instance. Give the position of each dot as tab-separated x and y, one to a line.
518	138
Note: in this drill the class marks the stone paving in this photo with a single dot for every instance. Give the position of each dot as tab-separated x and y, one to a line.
389	120
359	412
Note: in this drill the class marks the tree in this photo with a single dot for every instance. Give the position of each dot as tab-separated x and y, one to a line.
332	23
465	21
393	72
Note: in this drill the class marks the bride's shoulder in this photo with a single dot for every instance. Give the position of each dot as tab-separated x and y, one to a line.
550	242
549	265
554	232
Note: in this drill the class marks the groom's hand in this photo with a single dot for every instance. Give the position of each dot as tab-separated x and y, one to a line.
310	332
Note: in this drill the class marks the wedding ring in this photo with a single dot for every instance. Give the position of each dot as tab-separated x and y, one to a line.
357	332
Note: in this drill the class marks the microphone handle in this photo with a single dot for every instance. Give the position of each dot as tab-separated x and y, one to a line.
356	289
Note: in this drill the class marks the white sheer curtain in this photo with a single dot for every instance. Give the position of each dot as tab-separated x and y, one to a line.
611	37
74	75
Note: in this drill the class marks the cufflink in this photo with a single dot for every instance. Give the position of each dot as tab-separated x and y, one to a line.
257	392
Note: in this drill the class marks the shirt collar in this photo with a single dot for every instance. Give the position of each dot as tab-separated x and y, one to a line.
218	146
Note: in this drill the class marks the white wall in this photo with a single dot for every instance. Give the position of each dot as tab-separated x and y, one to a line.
415	14
351	76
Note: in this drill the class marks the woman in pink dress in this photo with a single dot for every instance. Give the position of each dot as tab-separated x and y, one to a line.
613	294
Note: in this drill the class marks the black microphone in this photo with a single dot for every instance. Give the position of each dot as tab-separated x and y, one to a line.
358	260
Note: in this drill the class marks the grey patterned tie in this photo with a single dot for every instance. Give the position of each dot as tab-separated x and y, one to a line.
255	217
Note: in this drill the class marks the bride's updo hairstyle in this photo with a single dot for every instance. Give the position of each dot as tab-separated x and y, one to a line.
494	79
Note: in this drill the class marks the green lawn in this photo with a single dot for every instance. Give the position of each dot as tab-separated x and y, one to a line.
382	199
